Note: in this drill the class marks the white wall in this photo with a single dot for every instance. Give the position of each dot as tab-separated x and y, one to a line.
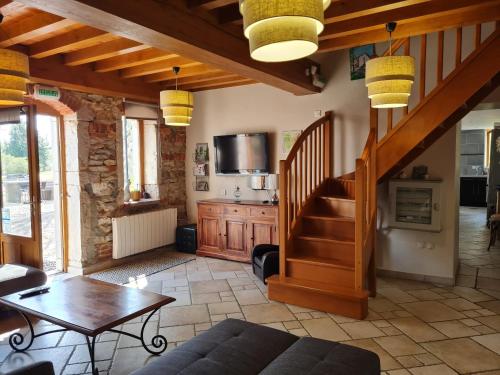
397	248
259	108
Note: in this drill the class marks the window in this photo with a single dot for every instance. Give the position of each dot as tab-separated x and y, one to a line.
133	153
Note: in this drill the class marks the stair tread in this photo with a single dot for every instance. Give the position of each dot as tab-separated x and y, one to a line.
337	197
319	216
347	293
325	239
322	261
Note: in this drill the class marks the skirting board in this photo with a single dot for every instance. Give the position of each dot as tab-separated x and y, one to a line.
417	277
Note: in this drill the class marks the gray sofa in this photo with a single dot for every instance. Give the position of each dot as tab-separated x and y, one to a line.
235	347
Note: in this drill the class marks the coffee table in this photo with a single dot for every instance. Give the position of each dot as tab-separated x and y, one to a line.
89	307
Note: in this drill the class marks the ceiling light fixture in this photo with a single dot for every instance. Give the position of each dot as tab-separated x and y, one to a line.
390	78
177	105
14	75
282	30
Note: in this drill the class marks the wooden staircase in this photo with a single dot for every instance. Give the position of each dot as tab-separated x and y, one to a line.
327	224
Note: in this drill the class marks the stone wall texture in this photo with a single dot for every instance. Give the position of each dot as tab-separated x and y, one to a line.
94	153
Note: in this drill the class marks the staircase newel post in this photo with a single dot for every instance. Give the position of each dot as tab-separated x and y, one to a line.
283	215
359	224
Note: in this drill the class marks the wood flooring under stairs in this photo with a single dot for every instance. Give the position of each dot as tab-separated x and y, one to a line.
320	268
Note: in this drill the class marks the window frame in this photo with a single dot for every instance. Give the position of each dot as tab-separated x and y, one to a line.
140	125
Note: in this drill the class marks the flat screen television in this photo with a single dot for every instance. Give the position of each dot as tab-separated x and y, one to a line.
242	154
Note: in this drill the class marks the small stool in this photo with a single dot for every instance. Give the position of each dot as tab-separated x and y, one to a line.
494	226
185	238
265	261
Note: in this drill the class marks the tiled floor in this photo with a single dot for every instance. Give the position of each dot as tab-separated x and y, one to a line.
416	328
475	260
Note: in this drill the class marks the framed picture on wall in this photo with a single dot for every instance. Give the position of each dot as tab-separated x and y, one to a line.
201	153
358	57
200	169
287	140
201	183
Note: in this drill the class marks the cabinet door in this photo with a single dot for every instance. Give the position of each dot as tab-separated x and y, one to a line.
262	233
209	233
234	237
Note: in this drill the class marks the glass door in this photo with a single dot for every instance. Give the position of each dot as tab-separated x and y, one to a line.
19	196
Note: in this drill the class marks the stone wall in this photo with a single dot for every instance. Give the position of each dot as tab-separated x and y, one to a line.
94	153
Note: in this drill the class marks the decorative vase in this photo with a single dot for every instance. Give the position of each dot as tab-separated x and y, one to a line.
237	194
126	192
135	195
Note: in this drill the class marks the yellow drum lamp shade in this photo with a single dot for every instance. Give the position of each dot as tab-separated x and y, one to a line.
14	75
389	80
282	30
177	107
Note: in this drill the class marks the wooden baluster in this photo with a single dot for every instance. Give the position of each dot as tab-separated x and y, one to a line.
407	53
328	145
423	60
458	48
290	204
301	169
316	158
295	179
477	38
440	57
283	215
306	164
389	119
359	224
311	164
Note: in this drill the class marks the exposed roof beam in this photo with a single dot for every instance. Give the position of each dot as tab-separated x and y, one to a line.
157	67
209	4
243	82
215	82
82	78
437	23
229	13
186	72
4	3
76	39
177	30
194	79
132	59
347	9
17	31
419	11
103	51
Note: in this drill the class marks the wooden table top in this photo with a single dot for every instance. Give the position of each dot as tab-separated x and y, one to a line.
87	306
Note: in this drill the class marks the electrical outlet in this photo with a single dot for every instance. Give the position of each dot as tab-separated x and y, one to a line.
224	192
318	113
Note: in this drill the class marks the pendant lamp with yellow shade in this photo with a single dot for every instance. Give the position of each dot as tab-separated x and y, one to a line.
282	30
390	78
14	75
177	105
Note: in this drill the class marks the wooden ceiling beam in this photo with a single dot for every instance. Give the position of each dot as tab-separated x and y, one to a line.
186	72
177	30
346	9
405	30
17	31
4	3
77	39
103	51
194	79
51	71
243	82
157	67
215	82
209	4
132	59
416	12
229	13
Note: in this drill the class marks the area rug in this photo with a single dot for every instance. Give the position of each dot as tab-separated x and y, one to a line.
147	265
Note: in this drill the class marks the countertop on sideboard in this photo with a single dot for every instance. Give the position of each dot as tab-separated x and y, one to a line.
232	201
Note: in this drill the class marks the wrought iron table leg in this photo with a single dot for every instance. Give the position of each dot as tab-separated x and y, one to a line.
91	346
16	340
158	342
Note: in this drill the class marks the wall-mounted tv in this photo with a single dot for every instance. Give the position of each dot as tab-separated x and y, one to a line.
242	154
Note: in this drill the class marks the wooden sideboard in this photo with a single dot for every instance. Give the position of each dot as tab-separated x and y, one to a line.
231	230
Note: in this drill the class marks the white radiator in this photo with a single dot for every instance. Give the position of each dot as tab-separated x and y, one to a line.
137	233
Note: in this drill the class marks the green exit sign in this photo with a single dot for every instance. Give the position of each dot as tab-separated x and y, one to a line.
46	92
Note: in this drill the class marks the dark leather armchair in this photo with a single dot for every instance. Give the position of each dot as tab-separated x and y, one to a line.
265	261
